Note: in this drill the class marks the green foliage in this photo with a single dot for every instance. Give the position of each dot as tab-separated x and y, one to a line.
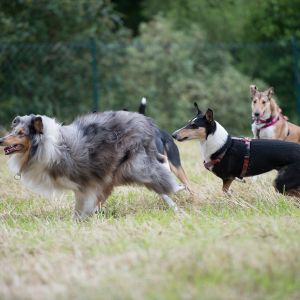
176	59
221	20
246	22
131	12
50	76
173	69
277	20
55	21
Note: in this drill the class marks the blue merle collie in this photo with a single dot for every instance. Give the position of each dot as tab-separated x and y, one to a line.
90	156
166	146
228	157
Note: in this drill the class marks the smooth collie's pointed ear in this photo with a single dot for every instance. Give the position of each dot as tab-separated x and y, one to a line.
197	107
37	124
209	115
253	90
270	92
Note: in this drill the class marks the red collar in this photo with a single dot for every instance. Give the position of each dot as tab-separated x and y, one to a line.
269	122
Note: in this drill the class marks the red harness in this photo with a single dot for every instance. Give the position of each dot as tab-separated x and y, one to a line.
247	142
210	164
267	124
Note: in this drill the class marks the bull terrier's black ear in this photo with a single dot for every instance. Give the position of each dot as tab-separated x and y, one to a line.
197	107
209	115
270	92
253	90
37	123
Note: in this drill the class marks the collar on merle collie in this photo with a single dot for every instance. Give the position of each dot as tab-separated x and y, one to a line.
214	139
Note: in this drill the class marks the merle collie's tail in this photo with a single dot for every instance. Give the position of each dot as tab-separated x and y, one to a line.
142	107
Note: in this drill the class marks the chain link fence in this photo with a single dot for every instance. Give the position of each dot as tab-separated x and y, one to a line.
66	79
53	79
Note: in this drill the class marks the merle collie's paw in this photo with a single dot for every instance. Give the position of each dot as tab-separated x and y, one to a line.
180	188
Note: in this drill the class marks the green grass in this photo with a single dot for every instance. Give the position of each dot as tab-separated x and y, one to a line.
242	247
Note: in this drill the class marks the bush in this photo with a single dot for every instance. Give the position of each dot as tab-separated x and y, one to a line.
173	69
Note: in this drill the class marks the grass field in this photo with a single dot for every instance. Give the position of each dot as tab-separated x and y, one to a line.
243	247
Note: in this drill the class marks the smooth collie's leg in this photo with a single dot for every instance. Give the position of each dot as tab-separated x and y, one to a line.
288	180
226	185
180	174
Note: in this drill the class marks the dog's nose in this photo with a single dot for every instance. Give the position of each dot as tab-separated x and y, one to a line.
1	140
174	135
256	114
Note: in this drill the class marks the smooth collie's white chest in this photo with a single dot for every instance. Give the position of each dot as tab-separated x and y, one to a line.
264	133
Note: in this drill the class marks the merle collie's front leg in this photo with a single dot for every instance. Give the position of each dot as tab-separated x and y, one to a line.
85	204
226	184
102	197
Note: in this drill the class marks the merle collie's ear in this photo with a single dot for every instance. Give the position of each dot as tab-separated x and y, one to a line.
209	115
253	90
270	92
15	121
37	124
197	107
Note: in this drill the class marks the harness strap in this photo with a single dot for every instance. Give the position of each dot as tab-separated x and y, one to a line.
218	156
210	164
246	157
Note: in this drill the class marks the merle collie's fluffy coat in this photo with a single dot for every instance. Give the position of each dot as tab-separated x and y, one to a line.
90	156
167	147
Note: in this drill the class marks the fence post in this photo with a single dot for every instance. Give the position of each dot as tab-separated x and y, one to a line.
296	74
93	48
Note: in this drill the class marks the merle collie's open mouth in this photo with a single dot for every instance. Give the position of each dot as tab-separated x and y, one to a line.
12	149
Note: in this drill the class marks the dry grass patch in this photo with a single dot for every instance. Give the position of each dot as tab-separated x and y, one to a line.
243	247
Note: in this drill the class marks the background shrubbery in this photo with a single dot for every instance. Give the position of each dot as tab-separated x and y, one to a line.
172	52
173	69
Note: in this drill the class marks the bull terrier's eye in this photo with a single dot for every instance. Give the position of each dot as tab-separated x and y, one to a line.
254	101
264	102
